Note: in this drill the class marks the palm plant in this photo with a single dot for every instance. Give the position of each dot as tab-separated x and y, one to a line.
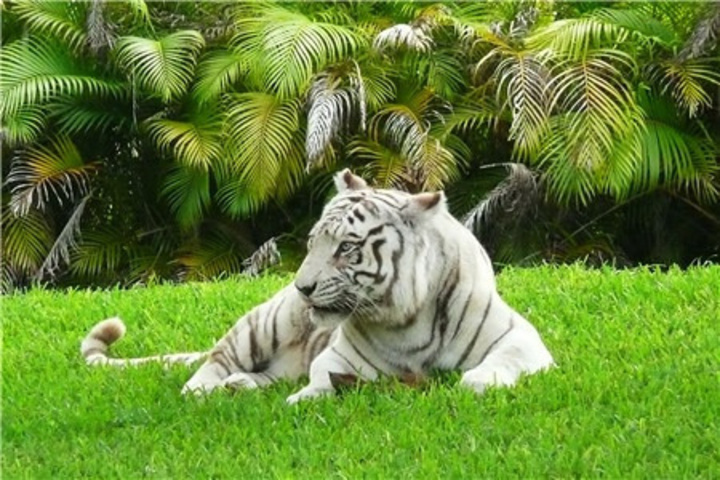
175	126
610	108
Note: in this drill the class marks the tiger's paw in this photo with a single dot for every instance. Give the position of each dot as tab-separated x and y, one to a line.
308	393
240	380
190	390
483	378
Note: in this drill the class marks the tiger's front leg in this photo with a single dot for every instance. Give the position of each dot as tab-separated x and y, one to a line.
212	376
339	358
515	352
209	377
273	341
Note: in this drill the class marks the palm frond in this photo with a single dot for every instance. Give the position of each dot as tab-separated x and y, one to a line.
209	257
196	143
79	114
442	70
187	189
332	108
153	259
417	35
286	48
140	12
26	241
523	82
42	174
63	20
149	264
406	129
575	38
642	26
216	73
10	279
24	126
238	199
436	166
568	176
473	114
674	155
680	17
599	106
458	148
400	127
377	84
617	175
36	70
386	166
426	163
164	67
262	142
66	241
685	81
468	19
100	253
403	35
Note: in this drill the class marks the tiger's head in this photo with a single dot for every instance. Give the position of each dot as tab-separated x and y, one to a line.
362	253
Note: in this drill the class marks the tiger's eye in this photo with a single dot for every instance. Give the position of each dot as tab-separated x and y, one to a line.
345	247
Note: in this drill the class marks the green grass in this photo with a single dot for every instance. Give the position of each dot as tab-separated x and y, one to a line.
636	393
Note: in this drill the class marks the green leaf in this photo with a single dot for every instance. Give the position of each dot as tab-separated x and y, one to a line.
286	48
164	67
263	141
474	114
378	84
568	178
522	81
25	126
85	115
384	165
677	159
26	240
187	190
99	253
606	28
442	70
37	70
195	143
63	20
56	172
210	256
216	73
685	81
599	107
641	25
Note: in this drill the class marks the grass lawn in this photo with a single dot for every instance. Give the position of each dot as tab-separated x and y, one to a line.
636	393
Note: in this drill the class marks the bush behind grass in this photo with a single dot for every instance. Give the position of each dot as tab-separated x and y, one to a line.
635	394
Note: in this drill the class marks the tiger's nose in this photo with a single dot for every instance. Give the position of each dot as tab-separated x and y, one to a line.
306	290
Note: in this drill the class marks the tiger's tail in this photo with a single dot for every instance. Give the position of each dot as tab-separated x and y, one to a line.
94	348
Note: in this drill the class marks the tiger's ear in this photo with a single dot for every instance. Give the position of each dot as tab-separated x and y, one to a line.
425	205
345	181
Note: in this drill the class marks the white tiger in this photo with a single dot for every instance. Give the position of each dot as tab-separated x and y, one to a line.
392	285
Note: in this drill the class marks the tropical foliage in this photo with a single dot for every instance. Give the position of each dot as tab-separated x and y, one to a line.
166	140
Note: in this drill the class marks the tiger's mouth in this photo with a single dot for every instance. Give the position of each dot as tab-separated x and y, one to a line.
326	309
327	316
347	305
